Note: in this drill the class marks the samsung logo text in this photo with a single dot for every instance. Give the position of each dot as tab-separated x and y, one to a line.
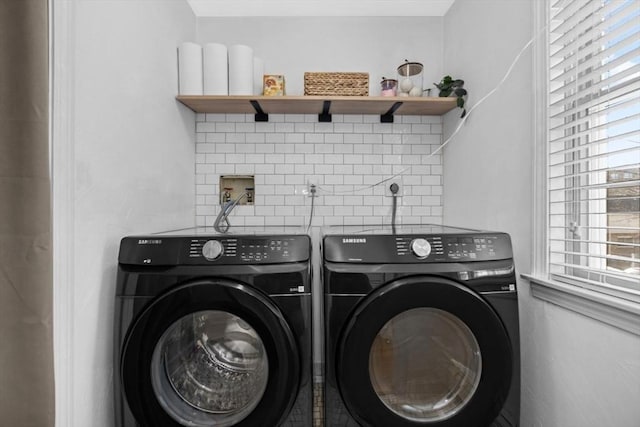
354	240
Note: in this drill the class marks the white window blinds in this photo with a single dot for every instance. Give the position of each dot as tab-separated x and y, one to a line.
594	144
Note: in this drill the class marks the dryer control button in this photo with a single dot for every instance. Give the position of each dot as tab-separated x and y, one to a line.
212	250
420	248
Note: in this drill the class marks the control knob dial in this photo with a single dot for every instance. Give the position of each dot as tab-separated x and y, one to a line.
212	250
420	248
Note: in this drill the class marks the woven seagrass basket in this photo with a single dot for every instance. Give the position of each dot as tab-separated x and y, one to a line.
338	84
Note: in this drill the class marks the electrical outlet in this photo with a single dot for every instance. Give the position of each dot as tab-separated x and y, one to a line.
312	185
312	189
305	189
394	186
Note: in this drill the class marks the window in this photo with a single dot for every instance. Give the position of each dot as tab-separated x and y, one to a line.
592	150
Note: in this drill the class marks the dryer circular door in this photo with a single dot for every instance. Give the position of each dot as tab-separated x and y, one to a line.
424	351
210	352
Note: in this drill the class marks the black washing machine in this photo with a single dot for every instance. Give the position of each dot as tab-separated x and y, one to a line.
421	328
214	330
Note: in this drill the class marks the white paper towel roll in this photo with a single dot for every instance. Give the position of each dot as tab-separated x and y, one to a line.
240	70
258	74
216	71
190	69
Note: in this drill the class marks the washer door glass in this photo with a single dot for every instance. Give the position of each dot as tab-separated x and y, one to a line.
209	368
425	364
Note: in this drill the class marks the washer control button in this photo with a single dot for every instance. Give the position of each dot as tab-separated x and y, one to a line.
420	248
212	250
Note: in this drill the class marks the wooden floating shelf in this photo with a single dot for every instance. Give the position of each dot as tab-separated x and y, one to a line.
324	106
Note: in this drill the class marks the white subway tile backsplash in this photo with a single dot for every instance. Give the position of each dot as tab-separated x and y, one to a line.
313	138
274	179
333	138
245	169
205	127
410	119
382	149
215	138
256	138
343	127
245	127
303	169
202	169
304	127
353	180
294	138
321	148
342	169
285	127
285	148
226	169
364	128
265	127
304	148
234	158
362	149
383	128
349	159
235	138
225	148
343	148
334	179
354	138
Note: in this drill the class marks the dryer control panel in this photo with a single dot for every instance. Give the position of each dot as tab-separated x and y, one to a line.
248	249
416	248
214	250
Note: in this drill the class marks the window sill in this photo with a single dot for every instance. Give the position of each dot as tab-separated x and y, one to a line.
614	311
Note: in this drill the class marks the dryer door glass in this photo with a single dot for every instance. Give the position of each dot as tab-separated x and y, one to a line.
209	366
425	364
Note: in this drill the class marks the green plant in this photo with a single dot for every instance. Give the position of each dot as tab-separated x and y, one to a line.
448	85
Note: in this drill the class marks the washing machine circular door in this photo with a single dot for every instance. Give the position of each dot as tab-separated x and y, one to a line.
424	351
210	352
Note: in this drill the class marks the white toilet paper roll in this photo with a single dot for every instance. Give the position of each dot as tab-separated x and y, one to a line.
190	69
216	71
240	70
258	74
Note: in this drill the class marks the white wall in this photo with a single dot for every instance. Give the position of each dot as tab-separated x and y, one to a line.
576	372
293	45
133	161
487	166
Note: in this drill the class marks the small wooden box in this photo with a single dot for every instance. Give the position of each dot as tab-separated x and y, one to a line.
273	85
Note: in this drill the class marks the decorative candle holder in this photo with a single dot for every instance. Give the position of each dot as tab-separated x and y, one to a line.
388	87
410	79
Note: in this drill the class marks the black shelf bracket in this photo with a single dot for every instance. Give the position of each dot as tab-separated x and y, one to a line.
388	116
325	117
260	116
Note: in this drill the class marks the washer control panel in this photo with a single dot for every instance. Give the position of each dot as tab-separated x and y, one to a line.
248	249
417	248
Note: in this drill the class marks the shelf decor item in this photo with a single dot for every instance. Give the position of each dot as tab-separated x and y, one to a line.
389	87
410	79
336	83
273	85
449	86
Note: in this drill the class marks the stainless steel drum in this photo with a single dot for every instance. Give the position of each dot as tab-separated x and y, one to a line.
215	362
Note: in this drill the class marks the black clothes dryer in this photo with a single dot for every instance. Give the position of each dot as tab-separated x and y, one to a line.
421	328
213	330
